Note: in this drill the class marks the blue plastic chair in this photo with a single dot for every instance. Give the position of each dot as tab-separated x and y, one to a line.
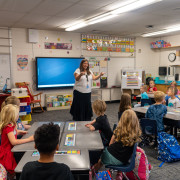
146	122
145	102
127	167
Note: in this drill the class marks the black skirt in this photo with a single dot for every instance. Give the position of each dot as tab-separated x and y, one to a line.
81	109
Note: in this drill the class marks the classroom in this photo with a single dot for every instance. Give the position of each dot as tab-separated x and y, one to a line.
106	73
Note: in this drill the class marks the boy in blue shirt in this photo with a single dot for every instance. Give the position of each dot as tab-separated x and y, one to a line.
157	111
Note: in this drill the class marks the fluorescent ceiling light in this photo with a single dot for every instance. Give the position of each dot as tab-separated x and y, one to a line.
133	6
77	26
168	30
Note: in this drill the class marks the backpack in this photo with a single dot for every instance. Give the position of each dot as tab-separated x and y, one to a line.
103	175
142	167
3	173
168	148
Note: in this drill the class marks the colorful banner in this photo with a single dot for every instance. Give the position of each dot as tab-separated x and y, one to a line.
66	46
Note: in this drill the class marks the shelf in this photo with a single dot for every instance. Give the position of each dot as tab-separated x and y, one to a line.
171	47
58	108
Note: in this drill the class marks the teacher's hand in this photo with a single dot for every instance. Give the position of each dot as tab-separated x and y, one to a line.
102	73
82	73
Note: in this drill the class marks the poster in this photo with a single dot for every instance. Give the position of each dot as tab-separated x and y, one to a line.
66	46
22	62
132	78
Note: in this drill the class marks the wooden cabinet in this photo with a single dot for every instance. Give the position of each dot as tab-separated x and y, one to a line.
162	87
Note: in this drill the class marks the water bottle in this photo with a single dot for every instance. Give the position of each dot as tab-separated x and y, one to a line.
1	83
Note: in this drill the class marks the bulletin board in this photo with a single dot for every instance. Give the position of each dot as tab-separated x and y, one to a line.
98	66
5	68
131	78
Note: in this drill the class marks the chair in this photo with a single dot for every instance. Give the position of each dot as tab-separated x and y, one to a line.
35	98
126	168
144	123
145	102
114	126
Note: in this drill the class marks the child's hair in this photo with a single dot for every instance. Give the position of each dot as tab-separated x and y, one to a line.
46	138
99	107
11	100
128	129
144	87
159	96
174	90
174	82
9	115
125	102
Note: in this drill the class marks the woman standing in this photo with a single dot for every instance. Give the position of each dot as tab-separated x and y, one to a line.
81	107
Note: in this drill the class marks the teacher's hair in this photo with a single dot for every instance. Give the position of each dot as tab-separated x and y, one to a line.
81	66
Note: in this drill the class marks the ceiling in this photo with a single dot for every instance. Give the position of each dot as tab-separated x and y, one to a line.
55	14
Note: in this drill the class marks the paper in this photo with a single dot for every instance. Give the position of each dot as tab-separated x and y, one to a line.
70	140
77	152
72	126
103	64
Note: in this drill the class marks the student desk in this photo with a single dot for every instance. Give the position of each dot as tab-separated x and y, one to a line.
80	126
79	164
149	95
85	140
172	118
30	146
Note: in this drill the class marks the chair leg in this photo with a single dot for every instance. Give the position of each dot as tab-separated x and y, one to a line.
135	174
125	175
41	107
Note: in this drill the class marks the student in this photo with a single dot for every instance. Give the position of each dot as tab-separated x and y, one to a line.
174	84
126	134
15	101
176	92
101	122
9	116
144	95
157	110
46	140
125	103
173	101
152	87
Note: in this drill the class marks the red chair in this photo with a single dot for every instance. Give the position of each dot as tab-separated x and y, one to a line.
35	98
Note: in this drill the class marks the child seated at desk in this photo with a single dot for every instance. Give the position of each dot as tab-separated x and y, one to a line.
125	103
101	122
144	95
174	84
152	87
9	116
46	140
126	134
176	95
157	110
173	101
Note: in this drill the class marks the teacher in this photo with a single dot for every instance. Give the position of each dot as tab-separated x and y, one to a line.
81	106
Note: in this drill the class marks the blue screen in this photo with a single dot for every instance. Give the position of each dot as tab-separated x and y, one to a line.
56	72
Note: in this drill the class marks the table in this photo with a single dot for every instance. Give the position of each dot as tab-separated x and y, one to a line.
172	118
90	140
80	126
30	145
149	95
79	164
3	96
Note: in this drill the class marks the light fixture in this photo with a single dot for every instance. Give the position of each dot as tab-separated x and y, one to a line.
166	30
111	14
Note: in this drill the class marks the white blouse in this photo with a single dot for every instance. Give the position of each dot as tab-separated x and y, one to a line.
84	83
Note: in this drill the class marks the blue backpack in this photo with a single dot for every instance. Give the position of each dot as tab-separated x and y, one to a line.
168	148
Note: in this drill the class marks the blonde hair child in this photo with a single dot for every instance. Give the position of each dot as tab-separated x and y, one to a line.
9	116
101	122
121	146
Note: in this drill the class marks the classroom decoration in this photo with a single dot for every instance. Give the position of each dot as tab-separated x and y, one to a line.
67	46
22	62
160	44
77	152
70	140
108	43
131	78
98	66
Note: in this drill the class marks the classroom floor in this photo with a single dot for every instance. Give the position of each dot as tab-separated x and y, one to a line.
169	171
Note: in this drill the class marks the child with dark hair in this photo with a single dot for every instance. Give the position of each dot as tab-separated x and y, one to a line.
46	142
152	89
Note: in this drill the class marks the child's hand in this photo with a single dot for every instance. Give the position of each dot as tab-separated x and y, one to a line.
31	138
139	102
87	125
23	132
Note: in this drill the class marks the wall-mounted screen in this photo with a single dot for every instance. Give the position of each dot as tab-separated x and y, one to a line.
56	72
163	71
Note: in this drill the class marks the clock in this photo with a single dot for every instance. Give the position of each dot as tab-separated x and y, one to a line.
172	57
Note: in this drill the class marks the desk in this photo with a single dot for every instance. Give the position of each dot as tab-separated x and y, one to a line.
30	145
149	95
3	96
79	164
172	118
90	140
80	126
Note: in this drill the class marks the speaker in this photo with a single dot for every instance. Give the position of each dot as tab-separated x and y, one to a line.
33	35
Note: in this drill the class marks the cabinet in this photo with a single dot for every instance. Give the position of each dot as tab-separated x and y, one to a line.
25	109
58	101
